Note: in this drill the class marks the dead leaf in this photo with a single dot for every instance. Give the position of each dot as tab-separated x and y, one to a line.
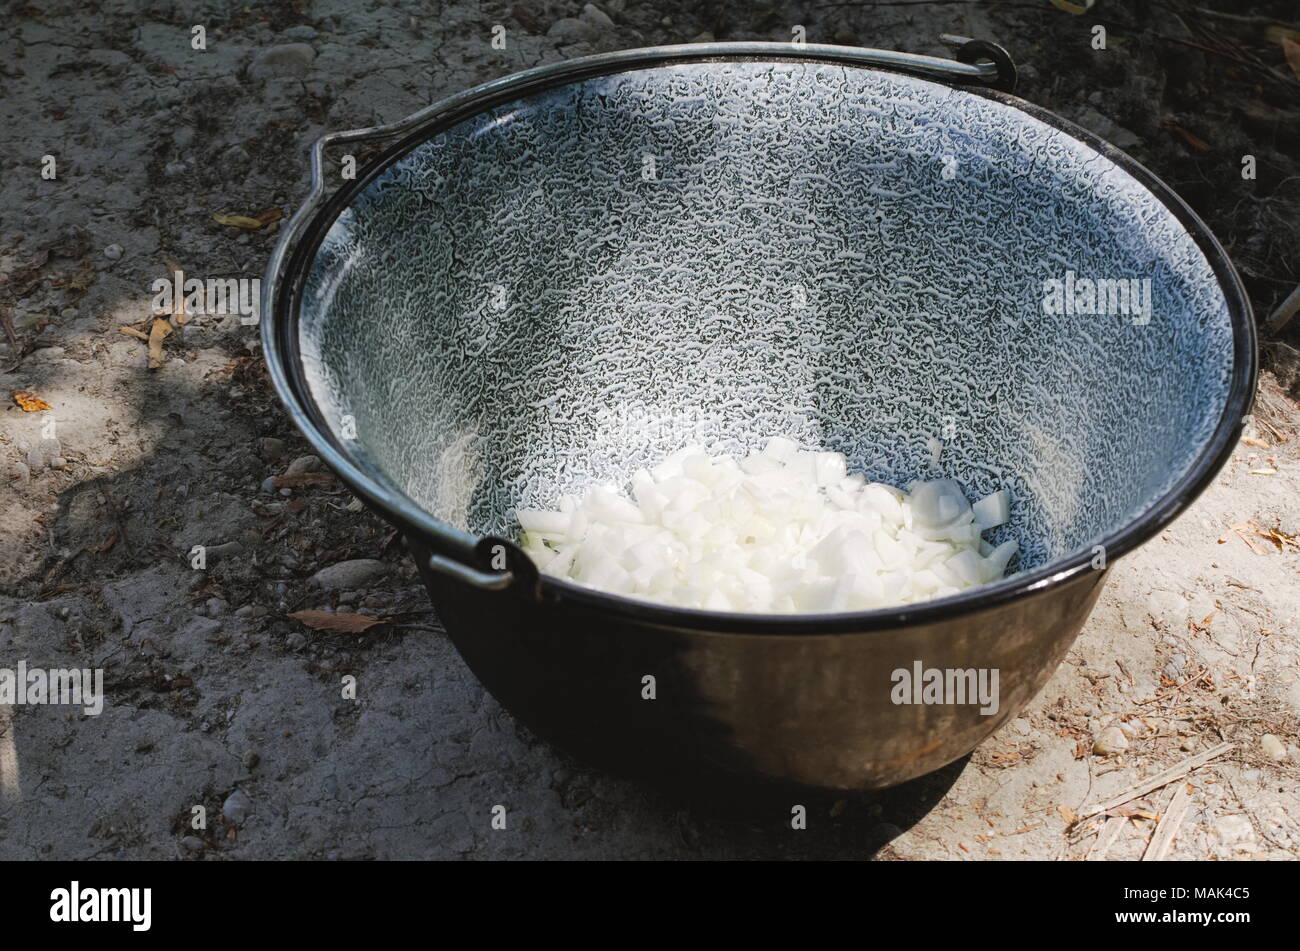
78	280
1067	814
1075	7
294	480
1277	33
1191	138
157	334
29	402
25	277
1243	531
104	545
330	621
238	221
1292	50
132	332
270	215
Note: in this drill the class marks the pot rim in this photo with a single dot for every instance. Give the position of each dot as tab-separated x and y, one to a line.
300	240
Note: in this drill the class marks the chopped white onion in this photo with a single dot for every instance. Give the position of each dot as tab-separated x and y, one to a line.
781	530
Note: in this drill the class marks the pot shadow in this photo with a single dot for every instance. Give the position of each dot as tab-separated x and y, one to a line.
770	821
835	826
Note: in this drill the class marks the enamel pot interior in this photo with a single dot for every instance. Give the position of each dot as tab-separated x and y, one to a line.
561	288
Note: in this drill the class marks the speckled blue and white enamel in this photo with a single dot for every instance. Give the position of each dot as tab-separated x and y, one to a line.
565	288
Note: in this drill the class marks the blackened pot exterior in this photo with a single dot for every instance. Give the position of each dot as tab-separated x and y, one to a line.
731	710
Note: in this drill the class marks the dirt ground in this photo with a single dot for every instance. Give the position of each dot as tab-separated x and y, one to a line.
217	699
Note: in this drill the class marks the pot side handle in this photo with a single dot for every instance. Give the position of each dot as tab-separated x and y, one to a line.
506	566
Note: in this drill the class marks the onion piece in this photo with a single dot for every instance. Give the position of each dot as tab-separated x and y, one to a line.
778	531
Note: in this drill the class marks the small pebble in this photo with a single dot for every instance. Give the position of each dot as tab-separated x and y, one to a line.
113	252
569	30
1235	830
216	553
1273	747
251	759
597	17
287	59
1174	669
237	807
885	832
1110	742
349	575
303	464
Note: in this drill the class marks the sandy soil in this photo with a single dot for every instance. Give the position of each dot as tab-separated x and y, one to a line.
217	699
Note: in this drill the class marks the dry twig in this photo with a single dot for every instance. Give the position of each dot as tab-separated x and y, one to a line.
1163	778
1163	838
1106	838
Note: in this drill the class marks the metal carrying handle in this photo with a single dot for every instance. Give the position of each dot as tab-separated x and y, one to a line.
977	52
487	580
519	568
975	62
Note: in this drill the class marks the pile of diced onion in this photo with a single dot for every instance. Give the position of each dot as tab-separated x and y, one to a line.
781	530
